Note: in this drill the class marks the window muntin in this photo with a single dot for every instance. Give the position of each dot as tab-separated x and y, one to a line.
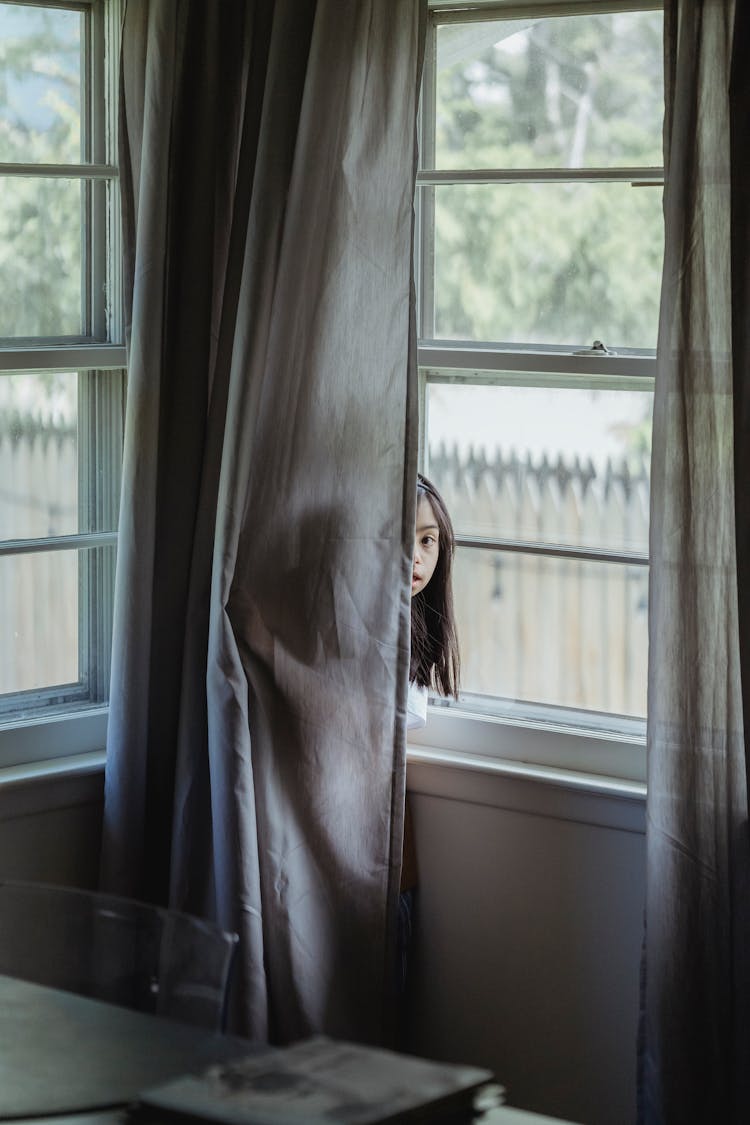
508	293
60	463
563	631
50	658
554	465
565	275
57	171
61	399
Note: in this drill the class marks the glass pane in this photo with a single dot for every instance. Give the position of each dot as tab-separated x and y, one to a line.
40	94
543	464
39	455
38	620
562	92
548	263
41	257
554	631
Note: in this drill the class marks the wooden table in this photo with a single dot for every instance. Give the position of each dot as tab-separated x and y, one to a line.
503	1115
83	1061
67	1054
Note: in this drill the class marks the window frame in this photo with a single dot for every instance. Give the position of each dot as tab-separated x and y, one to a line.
63	719
545	736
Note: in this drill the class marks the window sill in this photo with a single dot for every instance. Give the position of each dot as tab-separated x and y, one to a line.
487	760
77	765
42	786
542	745
42	741
523	788
52	762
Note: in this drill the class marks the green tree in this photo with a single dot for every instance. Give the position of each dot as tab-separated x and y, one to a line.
40	217
549	262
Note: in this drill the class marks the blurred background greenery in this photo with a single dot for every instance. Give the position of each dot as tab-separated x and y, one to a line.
549	262
41	263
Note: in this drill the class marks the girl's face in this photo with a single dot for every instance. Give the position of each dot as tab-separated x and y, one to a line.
426	546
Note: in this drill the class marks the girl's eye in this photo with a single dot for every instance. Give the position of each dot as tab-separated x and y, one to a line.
428	541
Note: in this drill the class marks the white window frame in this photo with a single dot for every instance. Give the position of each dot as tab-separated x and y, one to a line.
59	721
546	738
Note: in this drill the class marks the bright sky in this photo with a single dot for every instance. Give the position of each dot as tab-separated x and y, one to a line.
540	420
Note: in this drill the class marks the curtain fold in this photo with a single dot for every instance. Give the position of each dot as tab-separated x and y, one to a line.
695	1025
256	759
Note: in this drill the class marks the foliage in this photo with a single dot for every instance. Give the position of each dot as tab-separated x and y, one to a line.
40	217
549	262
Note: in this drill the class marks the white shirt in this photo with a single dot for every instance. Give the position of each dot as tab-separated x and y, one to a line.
416	707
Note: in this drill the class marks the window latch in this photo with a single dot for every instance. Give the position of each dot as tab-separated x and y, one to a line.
597	348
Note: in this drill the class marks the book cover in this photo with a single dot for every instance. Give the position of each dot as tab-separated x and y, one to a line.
319	1081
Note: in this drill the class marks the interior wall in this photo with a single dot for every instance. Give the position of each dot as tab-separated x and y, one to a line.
50	831
527	948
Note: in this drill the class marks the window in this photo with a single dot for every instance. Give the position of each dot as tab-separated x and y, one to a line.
539	252
61	370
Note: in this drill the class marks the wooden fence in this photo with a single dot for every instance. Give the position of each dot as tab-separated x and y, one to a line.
38	592
545	629
532	628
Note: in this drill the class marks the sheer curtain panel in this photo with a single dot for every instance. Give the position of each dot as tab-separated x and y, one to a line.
695	1027
255	768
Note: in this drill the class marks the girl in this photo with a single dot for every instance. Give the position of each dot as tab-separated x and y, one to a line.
434	642
434	657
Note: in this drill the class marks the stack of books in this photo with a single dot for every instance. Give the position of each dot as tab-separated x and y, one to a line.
321	1081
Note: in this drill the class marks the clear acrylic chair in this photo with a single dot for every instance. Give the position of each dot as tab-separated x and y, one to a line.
125	952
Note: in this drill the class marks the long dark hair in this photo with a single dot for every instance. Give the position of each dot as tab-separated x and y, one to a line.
435	658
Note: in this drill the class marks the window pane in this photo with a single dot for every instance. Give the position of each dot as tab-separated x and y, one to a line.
41	257
39	455
554	631
571	92
38	620
40	94
548	263
543	464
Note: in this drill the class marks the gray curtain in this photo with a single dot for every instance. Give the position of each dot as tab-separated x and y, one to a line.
695	1029
255	770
